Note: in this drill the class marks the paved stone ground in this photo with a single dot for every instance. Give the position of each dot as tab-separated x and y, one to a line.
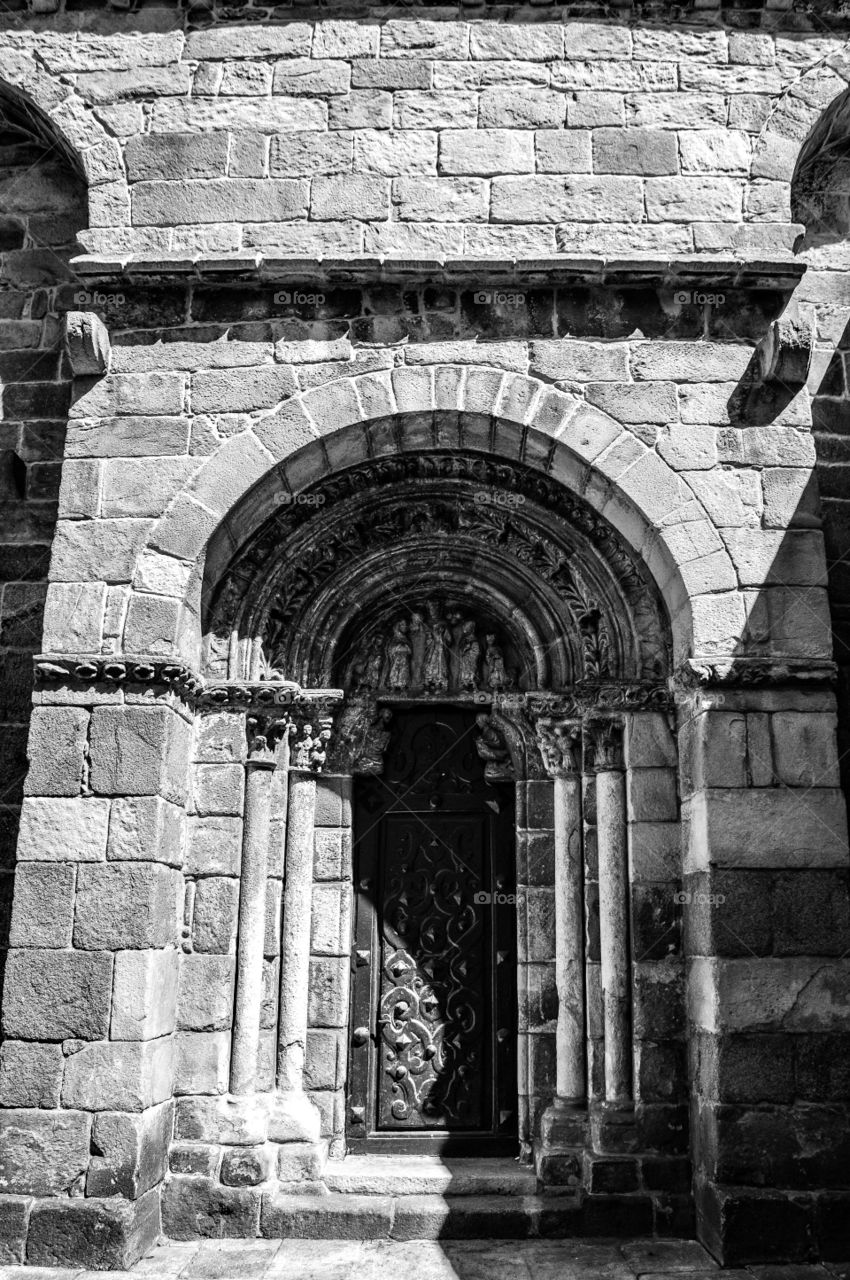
433	1260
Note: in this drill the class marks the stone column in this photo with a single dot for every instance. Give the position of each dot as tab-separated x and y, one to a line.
606	743
295	1117
563	1123
259	772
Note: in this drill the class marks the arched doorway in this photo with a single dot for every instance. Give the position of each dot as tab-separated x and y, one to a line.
450	593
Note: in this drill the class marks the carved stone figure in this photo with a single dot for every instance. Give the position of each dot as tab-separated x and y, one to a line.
490	746
398	656
371	665
494	661
469	657
436	672
376	741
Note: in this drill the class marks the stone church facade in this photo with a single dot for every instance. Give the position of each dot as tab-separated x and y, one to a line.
424	624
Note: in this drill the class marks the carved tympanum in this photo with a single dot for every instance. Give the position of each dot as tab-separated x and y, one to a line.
435	648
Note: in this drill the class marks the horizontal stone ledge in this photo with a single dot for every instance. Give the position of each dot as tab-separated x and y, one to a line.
704	271
705	672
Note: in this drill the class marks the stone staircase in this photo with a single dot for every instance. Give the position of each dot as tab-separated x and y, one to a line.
429	1198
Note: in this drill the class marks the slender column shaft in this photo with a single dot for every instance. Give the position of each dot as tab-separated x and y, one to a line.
295	935
252	926
569	940
613	932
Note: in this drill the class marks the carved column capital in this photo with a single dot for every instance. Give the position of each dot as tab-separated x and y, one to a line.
603	744
309	736
264	734
361	735
560	744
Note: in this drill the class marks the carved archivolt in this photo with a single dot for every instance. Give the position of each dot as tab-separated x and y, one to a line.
434	575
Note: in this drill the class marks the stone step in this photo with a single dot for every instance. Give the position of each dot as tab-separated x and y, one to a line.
339	1216
429	1175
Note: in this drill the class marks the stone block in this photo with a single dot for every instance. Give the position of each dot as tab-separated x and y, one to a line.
331	919
804	748
130	393
300	1161
215	914
163	204
363	199
441	199
30	1074
486	152
127	905
692	199
205	992
56	748
341	1217
131	1151
195	1207
144	994
324	1066
766	827
174	156
651	795
247	1166
230	391
220	738
145	829
199	1158
328	997
73	617
235	1121
202	1062
14	1224
119	1075
43	1153
43	906
98	1233
572	361
755	994
214	846
139	751
649	151
218	789
54	995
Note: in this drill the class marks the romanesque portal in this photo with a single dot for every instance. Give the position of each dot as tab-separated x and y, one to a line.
424	625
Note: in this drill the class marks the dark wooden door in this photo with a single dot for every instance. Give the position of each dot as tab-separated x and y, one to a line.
433	1032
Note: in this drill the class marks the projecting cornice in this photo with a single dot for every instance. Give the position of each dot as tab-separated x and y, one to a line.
706	272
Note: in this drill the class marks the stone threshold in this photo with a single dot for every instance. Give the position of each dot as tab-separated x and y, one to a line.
781	270
408	1175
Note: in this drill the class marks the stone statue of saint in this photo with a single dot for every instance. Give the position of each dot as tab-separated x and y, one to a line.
469	655
497	676
436	670
398	654
371	664
375	743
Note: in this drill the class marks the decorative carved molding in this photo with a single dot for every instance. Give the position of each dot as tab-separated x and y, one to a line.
603	746
560	743
745	672
551	541
587	698
91	669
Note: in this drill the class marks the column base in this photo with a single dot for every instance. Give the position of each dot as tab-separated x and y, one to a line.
293	1117
563	1137
613	1130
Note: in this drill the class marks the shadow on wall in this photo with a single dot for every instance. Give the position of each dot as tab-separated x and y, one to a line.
43	204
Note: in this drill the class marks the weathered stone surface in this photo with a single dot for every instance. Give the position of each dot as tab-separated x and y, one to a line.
127	905
214	919
43	906
100	1233
138	751
193	1207
30	1074
213	846
131	1151
145	829
202	1062
43	1153
119	1076
204	994
144	994
56	748
53	995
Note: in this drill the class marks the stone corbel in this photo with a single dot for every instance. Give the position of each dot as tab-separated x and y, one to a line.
560	744
603	746
785	351
87	343
360	738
